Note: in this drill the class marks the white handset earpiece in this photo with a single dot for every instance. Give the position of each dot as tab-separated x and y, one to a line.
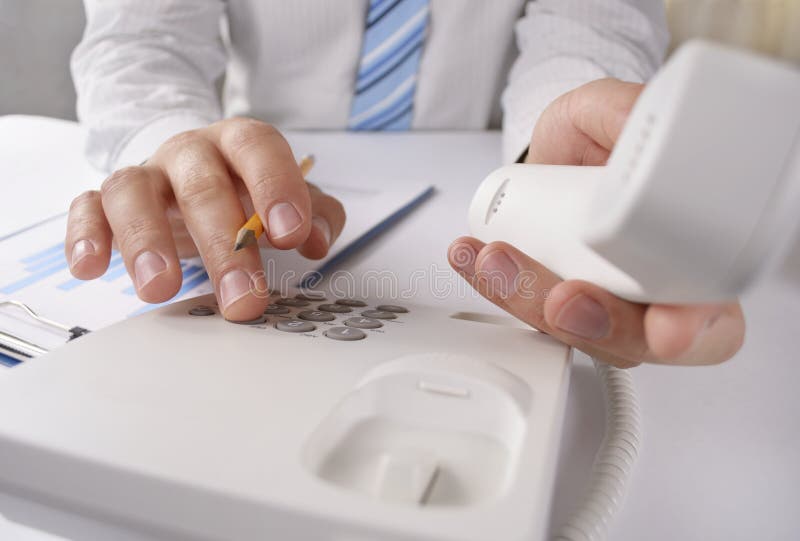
700	195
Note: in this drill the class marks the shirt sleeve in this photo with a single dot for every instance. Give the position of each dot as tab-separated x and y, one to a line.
144	71
566	43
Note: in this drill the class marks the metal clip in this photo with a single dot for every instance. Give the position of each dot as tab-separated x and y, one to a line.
20	349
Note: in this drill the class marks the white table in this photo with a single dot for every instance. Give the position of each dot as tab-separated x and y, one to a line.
721	456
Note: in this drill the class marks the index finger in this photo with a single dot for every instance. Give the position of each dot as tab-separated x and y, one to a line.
259	155
210	206
611	329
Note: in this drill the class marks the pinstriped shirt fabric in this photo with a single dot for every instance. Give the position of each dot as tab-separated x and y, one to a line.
387	70
146	69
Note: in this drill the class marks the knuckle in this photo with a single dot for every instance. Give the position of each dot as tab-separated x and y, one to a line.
83	222
181	140
199	187
217	253
242	133
136	231
263	181
84	200
532	313
120	179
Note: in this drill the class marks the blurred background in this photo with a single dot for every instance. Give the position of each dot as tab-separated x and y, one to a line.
37	37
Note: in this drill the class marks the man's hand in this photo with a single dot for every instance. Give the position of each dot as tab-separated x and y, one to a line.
192	196
580	128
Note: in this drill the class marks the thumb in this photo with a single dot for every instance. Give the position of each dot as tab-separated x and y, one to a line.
581	126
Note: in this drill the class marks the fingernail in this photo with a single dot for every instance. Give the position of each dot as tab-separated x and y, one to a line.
233	286
584	317
283	219
323	226
81	249
501	273
698	338
463	257
147	266
710	321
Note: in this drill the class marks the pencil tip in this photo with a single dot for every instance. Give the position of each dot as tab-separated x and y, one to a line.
244	238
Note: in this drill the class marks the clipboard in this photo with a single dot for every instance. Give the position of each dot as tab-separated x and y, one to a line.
15	349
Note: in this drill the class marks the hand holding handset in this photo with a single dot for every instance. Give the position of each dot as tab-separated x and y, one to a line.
700	195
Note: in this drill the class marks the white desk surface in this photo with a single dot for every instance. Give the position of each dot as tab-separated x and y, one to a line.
721	455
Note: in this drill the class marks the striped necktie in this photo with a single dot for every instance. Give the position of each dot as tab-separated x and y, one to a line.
387	72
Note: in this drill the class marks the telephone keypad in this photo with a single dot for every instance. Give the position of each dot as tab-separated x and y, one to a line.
295	325
378	314
294	303
353	303
202	310
335	308
345	333
316	315
302	313
275	309
363	323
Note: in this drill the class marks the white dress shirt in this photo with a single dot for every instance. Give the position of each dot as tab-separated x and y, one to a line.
147	69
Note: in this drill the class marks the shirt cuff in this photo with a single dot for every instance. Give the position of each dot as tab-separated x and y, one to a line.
521	118
142	143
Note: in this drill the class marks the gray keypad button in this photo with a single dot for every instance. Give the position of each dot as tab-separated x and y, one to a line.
315	315
355	303
345	333
297	303
275	310
378	314
202	311
335	308
393	308
256	321
363	323
295	325
314	296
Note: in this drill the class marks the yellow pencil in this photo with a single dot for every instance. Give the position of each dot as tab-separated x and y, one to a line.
253	228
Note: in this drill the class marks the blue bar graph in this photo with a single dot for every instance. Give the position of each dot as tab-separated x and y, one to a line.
44	253
111	274
50	261
188	272
70	284
34	277
45	262
116	268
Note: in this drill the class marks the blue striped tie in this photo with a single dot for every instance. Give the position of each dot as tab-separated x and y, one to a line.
387	72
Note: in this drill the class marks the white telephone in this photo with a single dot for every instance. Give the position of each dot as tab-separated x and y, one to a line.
701	193
324	419
344	419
